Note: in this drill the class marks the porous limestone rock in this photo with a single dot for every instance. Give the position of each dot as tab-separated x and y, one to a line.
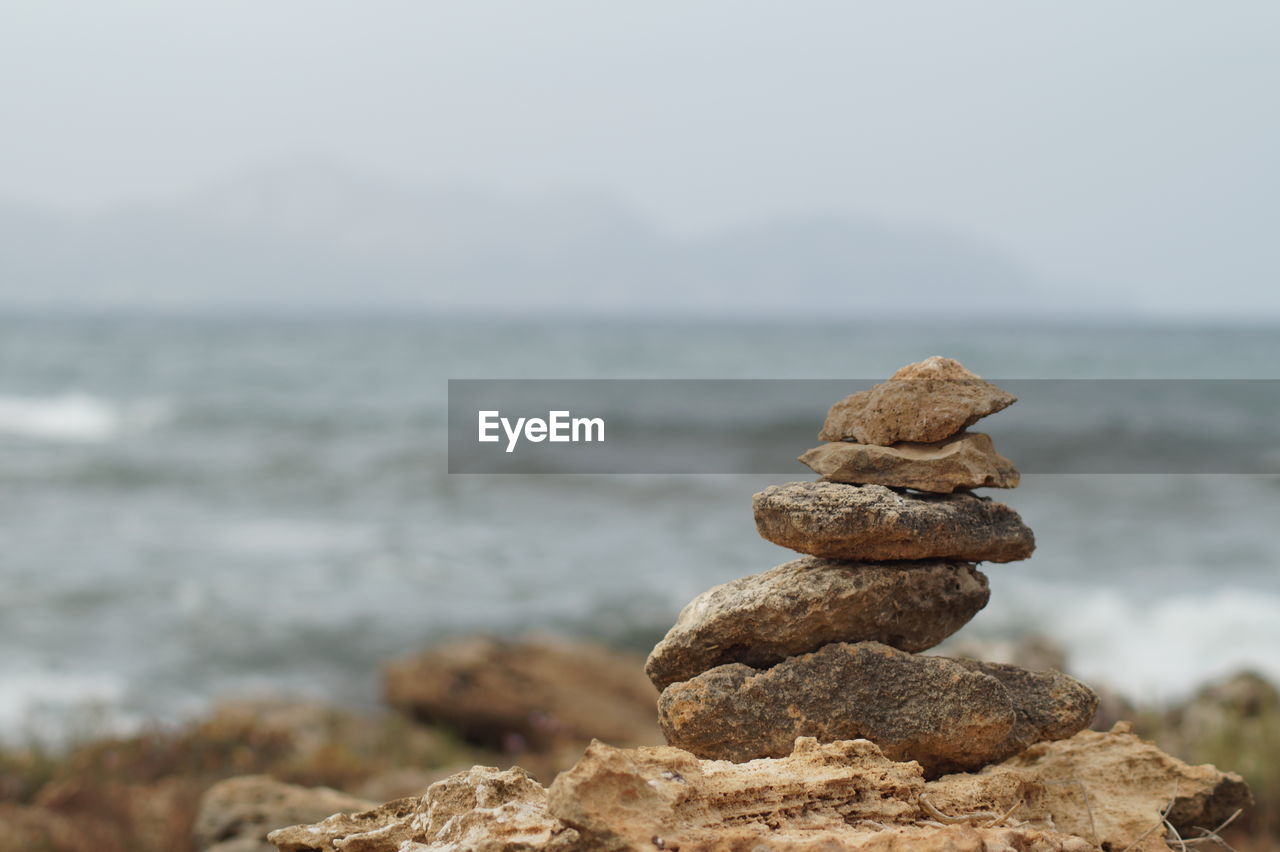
486	805
530	695
875	523
948	715
844	795
1093	790
240	812
807	603
1111	788
626	797
922	402
482	809
967	460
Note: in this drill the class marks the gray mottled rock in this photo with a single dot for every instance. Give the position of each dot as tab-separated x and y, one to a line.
875	523
923	402
807	603
238	813
967	460
947	715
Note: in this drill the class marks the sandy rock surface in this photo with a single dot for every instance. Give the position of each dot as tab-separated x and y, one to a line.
967	460
948	715
922	402
807	603
875	523
1110	788
1068	796
483	808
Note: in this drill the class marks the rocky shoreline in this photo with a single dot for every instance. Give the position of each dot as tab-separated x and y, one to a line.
792	725
797	705
224	782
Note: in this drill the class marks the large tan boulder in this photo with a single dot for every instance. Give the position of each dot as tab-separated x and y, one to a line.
967	460
923	402
876	524
946	714
807	603
535	695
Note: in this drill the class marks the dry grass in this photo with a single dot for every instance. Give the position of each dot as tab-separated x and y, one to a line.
140	793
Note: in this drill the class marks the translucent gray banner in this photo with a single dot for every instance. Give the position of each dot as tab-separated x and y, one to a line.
1078	426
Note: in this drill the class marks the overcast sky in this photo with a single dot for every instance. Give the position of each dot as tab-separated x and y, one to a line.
1129	145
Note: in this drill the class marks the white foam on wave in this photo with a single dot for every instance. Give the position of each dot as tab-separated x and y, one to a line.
1156	648
49	705
75	417
294	536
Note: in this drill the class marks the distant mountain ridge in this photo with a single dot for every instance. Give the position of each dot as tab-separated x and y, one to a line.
330	239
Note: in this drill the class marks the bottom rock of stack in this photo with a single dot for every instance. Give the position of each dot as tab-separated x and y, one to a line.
949	715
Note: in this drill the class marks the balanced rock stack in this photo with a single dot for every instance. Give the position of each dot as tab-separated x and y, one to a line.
828	646
776	682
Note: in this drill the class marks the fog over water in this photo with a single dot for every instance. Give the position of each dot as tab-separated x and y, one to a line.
1089	157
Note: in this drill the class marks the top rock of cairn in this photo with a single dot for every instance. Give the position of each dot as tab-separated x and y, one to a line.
829	646
923	402
908	433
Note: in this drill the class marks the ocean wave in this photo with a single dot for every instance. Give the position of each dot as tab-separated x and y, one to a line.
1152	648
76	417
51	706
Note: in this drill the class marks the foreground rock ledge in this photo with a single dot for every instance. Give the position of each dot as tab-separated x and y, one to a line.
807	603
922	402
946	714
877	524
1093	790
967	460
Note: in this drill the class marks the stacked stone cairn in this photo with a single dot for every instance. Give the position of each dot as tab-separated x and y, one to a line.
828	646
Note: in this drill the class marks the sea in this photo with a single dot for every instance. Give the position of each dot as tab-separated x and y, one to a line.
194	509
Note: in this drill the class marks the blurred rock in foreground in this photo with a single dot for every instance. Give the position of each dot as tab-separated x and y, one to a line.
538	695
235	815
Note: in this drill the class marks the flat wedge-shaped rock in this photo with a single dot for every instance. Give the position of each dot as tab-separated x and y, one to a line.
810	602
1112	788
967	460
877	524
948	715
923	402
